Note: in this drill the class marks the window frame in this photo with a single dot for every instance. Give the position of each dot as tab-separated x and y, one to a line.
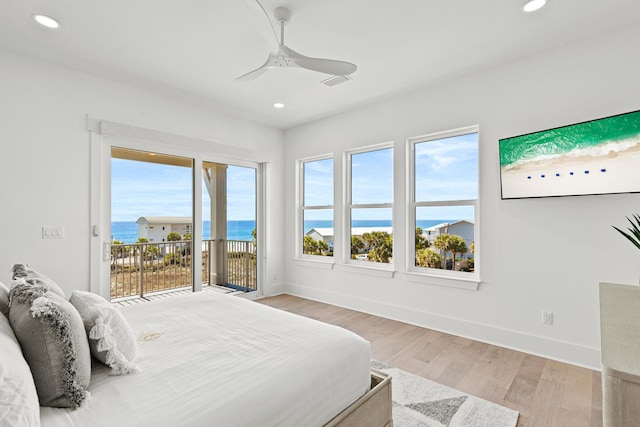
347	206
466	280
301	208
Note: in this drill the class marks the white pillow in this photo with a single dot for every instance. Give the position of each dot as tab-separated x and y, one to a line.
110	337
19	404
4	300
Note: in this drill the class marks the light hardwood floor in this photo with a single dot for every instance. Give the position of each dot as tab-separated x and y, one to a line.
545	392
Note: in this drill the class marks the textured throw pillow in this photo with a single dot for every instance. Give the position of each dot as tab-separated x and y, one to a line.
110	337
18	398
23	271
4	300
54	344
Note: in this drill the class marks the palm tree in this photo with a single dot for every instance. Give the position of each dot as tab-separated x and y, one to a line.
322	247
428	258
173	237
442	242
457	245
309	245
381	244
188	237
150	252
357	245
118	251
421	241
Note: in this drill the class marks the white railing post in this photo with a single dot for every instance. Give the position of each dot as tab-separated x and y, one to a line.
246	266
142	248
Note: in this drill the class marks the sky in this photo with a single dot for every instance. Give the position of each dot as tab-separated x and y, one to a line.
151	189
446	169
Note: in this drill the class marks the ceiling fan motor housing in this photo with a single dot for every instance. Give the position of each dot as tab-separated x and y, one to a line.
282	14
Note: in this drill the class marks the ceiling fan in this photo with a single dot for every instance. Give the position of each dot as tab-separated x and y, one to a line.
283	56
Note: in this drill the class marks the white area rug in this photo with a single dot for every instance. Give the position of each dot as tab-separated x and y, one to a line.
418	402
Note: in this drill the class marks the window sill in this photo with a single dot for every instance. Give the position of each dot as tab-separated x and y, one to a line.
324	264
471	284
368	270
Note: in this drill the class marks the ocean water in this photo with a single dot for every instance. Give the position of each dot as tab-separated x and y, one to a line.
127	231
594	138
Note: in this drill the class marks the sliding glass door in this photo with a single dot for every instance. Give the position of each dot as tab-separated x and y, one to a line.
229	224
154	243
151	223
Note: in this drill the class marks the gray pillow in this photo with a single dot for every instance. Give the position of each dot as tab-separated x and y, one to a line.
54	344
4	300
110	337
23	271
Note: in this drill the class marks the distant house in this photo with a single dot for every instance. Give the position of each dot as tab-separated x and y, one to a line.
156	228
326	234
462	228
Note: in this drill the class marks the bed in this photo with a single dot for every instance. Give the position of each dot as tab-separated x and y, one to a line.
211	359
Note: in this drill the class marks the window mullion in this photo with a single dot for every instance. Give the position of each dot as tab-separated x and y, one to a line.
447	203
372	205
317	207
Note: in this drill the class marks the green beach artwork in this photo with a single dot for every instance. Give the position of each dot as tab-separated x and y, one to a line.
596	157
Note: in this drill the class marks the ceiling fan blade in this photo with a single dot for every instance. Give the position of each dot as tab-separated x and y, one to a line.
258	71
251	75
327	66
261	21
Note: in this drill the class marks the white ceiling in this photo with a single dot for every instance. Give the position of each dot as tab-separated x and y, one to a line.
193	49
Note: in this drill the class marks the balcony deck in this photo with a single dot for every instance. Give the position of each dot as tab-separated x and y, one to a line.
148	270
133	300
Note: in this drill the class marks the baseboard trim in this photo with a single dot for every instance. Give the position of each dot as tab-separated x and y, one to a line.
276	289
562	351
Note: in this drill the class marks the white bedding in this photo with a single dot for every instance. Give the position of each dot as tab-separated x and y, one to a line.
209	359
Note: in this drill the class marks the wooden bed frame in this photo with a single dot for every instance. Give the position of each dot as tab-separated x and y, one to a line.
371	410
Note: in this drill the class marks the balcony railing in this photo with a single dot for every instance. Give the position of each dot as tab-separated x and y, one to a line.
142	268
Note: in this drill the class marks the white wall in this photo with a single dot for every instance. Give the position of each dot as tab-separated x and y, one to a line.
45	158
537	254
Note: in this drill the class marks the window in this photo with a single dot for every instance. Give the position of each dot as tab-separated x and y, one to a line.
316	207
443	175
369	206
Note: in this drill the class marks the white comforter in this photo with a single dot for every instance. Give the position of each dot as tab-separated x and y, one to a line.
210	359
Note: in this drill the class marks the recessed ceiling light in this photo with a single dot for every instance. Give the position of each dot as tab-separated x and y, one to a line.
533	5
278	105
46	21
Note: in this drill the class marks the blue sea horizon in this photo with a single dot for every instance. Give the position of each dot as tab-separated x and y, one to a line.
127	231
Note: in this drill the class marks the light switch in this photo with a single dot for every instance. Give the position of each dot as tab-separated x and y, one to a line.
53	232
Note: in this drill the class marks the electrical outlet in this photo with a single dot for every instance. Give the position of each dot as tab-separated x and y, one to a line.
547	317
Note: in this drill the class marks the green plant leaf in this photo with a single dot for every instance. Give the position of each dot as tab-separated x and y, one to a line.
634	231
